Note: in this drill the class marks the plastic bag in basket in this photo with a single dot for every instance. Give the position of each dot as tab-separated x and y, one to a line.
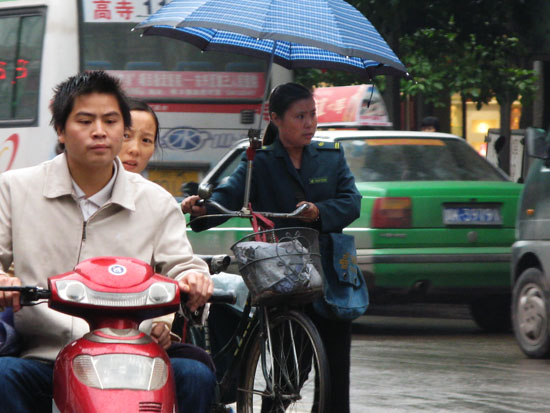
277	272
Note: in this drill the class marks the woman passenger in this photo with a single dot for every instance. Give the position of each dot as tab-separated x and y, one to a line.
139	144
141	139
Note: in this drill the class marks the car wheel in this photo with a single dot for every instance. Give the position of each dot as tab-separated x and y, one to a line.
530	306
492	314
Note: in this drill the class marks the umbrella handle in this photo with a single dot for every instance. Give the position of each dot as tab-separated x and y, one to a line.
267	82
255	142
254	136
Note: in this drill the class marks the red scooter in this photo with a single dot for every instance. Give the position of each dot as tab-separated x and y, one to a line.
115	367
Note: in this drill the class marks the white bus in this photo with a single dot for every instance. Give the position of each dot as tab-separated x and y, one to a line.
205	101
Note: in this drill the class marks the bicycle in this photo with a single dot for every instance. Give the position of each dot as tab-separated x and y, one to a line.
277	361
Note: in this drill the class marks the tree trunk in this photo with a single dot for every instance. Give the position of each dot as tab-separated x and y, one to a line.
504	155
393	101
444	113
463	100
538	104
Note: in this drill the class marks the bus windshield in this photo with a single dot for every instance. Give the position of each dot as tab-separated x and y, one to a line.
161	69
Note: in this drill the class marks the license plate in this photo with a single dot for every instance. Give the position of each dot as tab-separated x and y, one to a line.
469	215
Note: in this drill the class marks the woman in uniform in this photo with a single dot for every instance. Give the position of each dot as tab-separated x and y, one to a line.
288	171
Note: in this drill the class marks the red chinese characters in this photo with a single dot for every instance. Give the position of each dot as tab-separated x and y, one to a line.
125	9
102	10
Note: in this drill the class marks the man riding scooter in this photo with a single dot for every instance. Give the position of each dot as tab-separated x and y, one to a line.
79	205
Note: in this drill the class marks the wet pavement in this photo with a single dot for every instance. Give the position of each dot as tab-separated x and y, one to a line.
428	364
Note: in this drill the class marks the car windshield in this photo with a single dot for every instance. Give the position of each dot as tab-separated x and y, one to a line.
416	159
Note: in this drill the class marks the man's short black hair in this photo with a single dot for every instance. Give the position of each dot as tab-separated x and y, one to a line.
430	121
86	83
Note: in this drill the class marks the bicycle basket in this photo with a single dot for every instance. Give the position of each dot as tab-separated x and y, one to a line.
284	267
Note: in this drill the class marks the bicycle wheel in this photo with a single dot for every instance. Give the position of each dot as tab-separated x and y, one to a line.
288	372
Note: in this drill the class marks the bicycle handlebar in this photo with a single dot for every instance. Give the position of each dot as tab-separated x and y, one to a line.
246	213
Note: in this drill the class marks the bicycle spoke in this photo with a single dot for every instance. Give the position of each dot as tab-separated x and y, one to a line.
269	377
295	367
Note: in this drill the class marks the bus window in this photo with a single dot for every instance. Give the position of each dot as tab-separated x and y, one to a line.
161	69
20	55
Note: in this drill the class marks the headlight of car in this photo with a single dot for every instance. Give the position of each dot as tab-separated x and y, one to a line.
121	371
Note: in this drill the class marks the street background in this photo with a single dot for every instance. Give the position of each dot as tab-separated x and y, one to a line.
440	361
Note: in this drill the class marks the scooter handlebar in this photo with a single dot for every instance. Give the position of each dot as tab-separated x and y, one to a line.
30	295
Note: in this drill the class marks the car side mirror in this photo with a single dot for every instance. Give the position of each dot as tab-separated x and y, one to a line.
536	143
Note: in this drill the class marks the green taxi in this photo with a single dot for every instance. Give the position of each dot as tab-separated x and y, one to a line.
436	225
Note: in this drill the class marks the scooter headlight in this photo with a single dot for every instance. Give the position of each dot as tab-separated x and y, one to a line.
75	291
161	292
121	371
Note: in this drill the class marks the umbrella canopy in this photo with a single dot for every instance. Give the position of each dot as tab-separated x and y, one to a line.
328	34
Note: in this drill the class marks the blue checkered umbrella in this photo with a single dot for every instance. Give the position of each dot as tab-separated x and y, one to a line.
328	34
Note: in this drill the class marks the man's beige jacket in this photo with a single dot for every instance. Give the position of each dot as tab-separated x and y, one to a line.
42	230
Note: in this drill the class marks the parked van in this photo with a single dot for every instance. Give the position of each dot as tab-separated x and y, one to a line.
530	253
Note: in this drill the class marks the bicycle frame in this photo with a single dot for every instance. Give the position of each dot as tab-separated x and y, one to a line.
254	333
236	345
239	342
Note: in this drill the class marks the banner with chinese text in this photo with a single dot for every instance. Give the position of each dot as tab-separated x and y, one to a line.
358	105
191	85
119	11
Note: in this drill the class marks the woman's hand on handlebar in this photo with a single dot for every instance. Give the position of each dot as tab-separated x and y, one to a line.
189	206
310	214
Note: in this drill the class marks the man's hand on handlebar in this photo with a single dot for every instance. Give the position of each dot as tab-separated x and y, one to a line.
198	288
9	298
189	206
310	214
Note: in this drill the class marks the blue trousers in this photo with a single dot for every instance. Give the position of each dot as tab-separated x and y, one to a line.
26	385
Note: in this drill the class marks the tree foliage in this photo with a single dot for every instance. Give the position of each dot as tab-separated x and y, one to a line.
320	77
477	67
472	47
